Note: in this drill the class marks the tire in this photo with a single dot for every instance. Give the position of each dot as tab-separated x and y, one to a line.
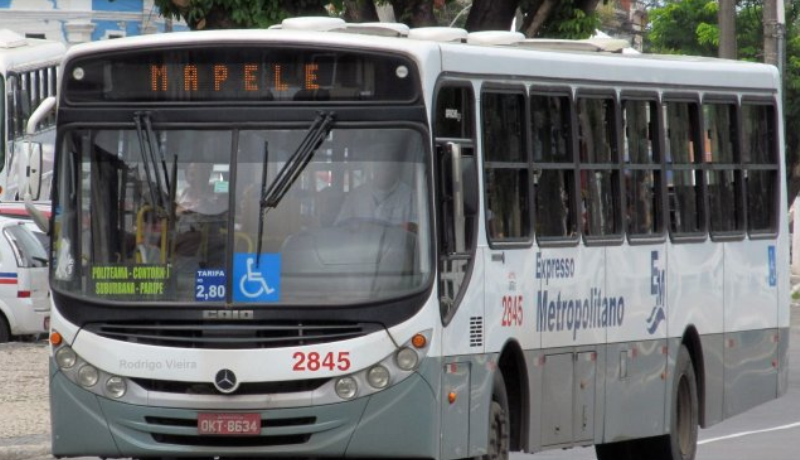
499	429
5	332
681	442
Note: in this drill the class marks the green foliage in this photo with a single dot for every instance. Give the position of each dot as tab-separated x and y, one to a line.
570	22
684	27
241	13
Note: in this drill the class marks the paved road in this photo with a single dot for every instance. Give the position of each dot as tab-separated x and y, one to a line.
770	431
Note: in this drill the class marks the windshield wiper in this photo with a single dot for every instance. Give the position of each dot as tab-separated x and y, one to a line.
272	196
144	149
149	147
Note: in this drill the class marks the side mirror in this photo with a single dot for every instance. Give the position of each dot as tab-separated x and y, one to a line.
32	179
30	166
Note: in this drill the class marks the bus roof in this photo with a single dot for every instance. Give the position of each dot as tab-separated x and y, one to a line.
18	53
495	61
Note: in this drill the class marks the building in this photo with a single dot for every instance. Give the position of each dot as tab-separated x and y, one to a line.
625	19
78	21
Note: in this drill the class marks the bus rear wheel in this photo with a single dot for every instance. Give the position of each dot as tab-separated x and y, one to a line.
681	442
499	429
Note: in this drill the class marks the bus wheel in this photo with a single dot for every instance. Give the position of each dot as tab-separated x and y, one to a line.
681	442
499	432
5	332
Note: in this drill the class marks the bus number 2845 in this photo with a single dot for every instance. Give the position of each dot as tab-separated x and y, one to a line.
314	361
512	311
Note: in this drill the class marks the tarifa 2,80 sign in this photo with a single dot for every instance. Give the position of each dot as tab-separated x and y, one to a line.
240	74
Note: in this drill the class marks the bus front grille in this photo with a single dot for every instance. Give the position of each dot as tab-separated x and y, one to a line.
230	441
247	388
301	424
232	334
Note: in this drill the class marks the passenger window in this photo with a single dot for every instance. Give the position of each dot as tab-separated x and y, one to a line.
506	167
684	176
642	168
759	154
554	169
454	113
724	175
599	167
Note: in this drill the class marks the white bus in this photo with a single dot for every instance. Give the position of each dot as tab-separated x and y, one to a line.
28	75
441	245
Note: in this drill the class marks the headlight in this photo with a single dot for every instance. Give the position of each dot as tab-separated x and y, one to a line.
66	358
378	377
88	375
116	387
407	359
346	388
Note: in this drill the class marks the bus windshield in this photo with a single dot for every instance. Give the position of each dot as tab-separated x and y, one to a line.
173	216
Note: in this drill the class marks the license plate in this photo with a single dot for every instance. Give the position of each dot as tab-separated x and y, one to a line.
229	424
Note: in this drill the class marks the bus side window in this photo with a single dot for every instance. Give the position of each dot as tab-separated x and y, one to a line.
506	166
684	174
724	176
643	170
554	189
599	166
760	158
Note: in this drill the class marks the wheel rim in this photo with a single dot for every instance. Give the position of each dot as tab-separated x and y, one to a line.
685	418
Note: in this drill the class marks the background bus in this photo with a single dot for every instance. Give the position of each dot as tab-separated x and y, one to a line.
28	75
551	257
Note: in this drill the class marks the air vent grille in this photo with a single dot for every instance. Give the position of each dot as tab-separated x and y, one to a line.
476	331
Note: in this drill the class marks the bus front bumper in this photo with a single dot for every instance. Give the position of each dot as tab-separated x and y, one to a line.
401	421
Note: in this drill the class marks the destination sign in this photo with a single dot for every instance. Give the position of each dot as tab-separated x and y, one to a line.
241	74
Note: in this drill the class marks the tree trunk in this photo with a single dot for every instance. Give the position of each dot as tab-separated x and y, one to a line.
360	11
414	13
217	18
587	6
491	15
537	15
727	29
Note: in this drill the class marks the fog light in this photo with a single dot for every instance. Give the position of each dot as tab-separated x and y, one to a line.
346	388
407	359
378	377
66	358
116	387
88	376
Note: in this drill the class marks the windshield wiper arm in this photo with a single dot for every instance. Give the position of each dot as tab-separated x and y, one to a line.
154	147
317	133
272	196
144	146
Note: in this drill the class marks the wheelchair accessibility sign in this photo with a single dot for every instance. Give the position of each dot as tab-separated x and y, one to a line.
256	282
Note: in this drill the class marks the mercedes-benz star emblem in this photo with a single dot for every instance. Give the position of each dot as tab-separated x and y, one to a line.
225	381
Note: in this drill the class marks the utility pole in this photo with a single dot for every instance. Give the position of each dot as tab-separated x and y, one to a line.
774	33
727	29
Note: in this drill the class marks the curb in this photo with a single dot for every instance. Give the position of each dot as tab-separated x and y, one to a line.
24	452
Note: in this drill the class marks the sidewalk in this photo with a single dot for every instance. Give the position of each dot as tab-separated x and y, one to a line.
24	403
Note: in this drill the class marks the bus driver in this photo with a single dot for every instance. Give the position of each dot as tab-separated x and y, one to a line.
383	198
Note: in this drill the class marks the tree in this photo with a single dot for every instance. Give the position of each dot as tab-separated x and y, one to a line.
690	27
551	18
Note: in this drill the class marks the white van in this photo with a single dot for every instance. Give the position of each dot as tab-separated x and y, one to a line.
24	288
